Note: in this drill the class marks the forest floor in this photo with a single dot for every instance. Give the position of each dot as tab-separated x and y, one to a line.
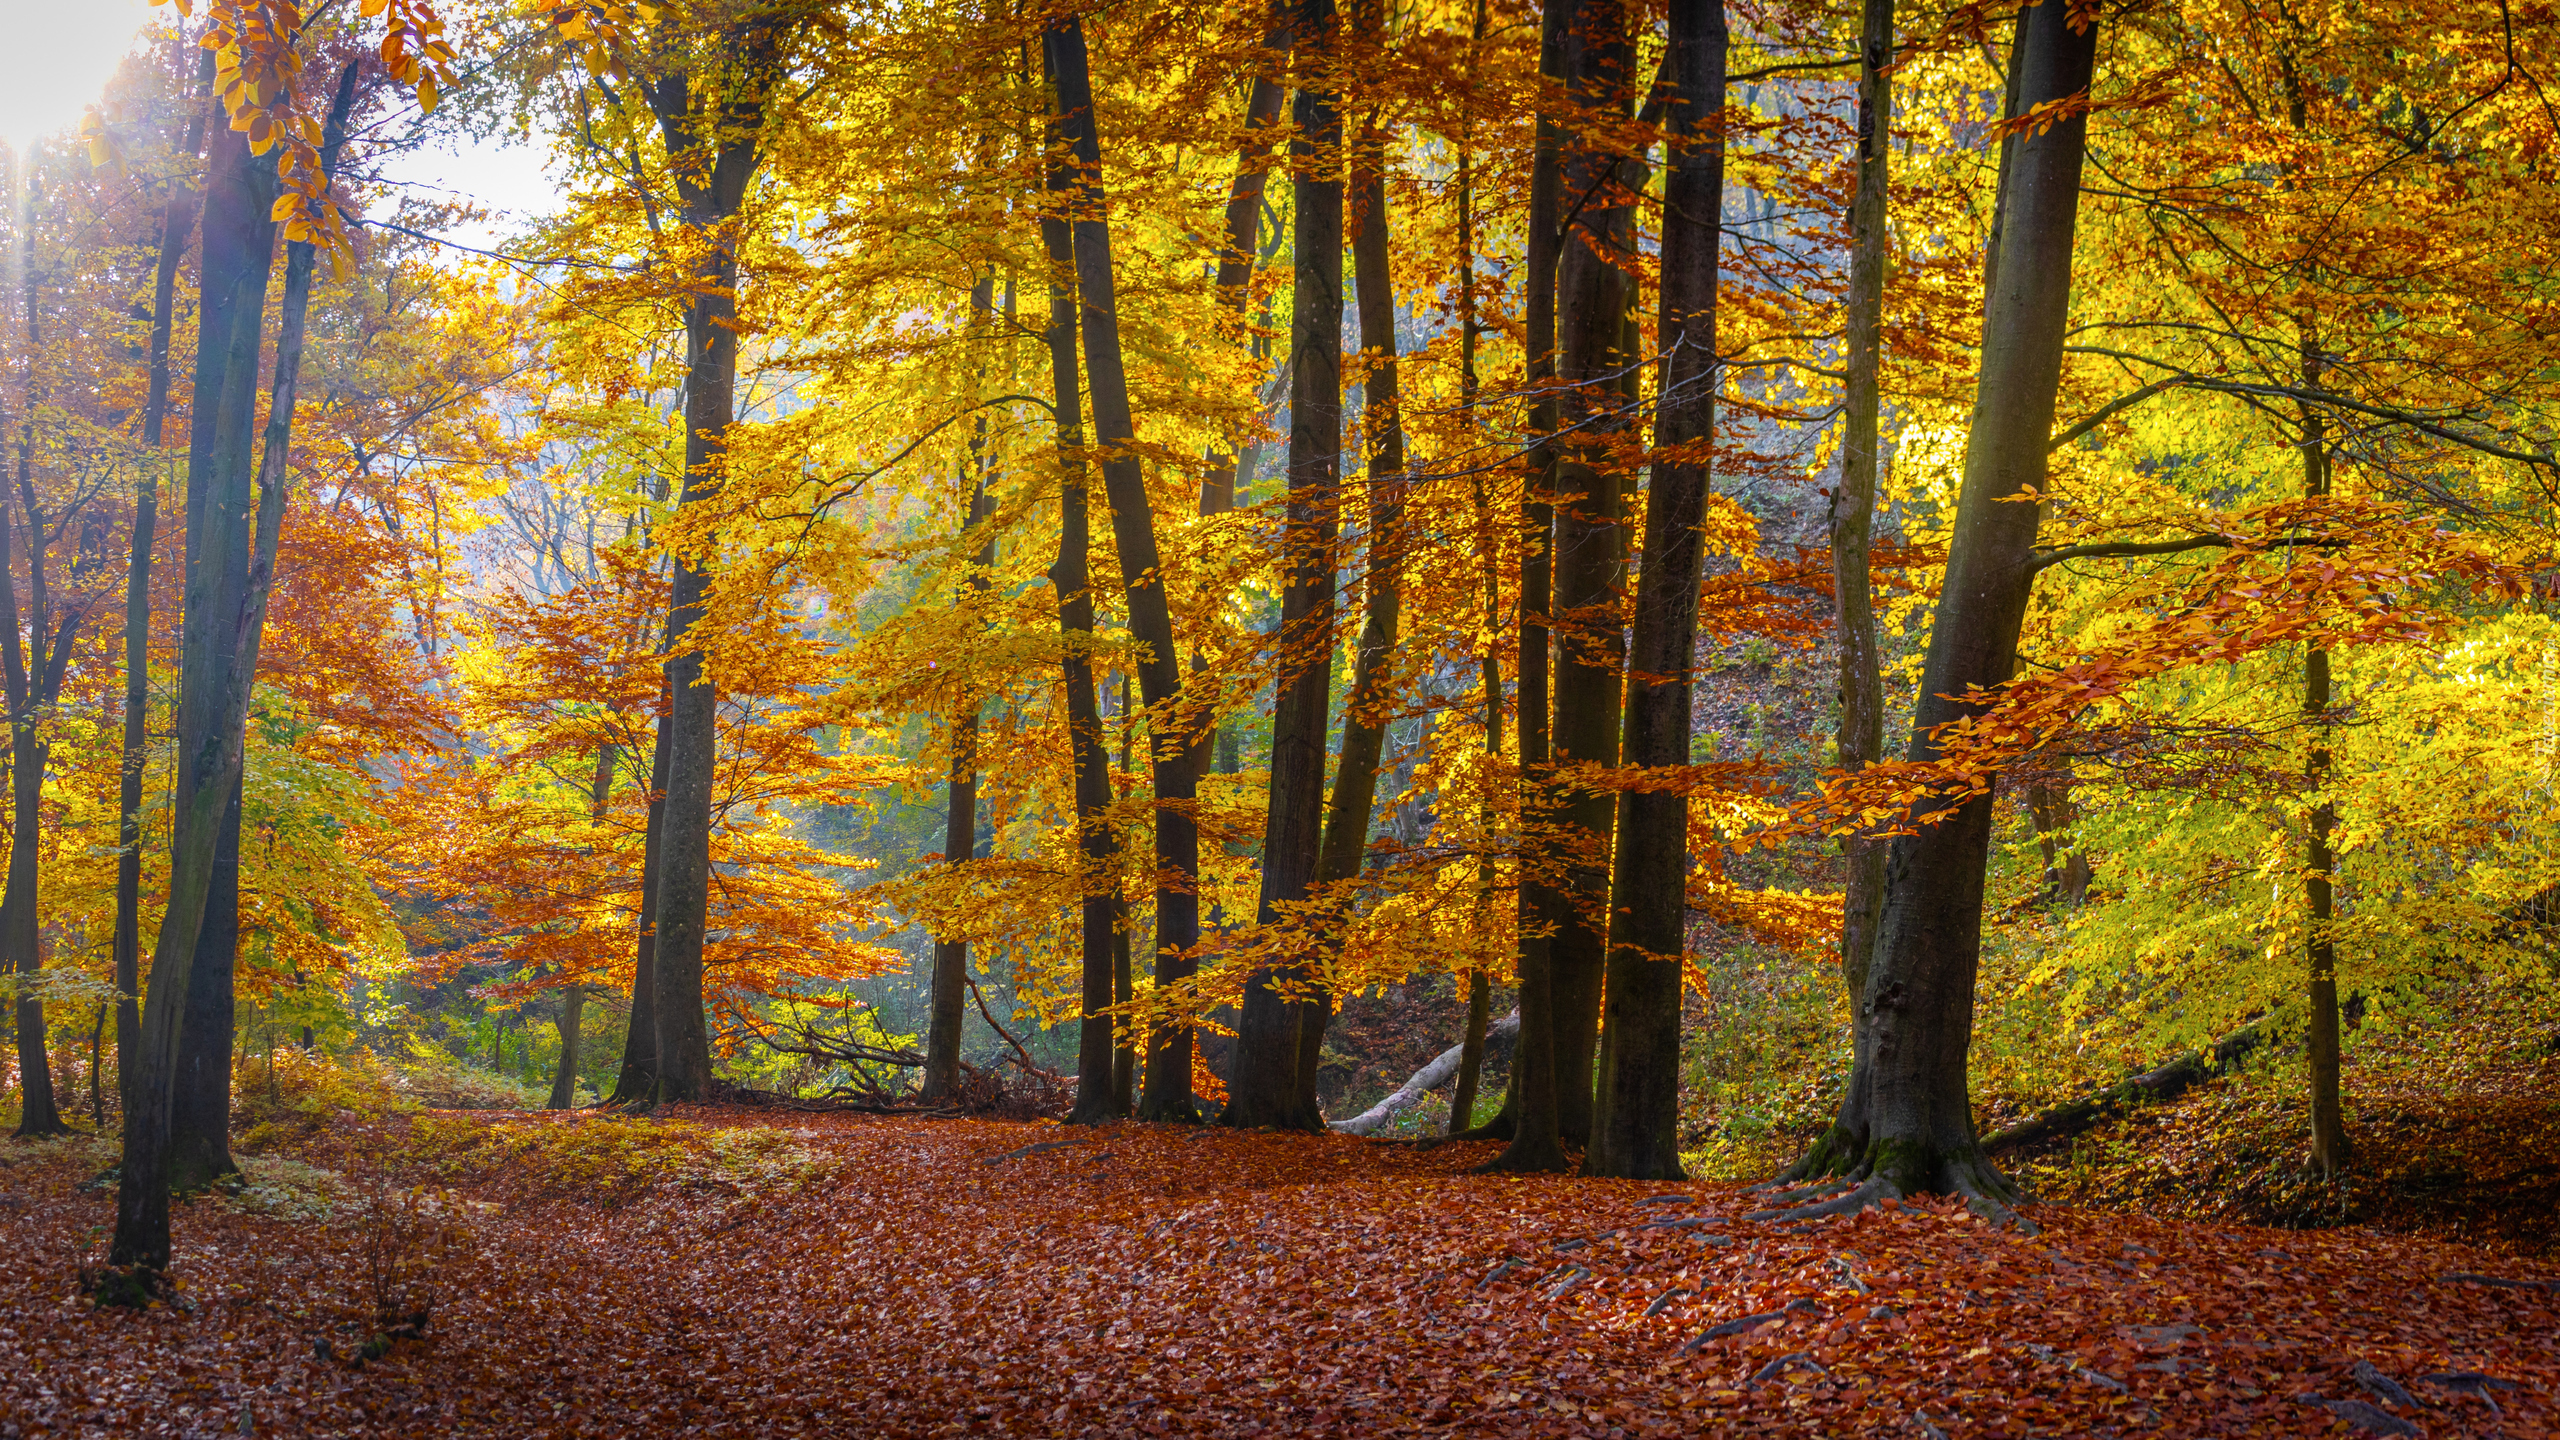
725	1272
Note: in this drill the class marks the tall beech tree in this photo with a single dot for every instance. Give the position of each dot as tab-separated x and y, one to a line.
711	104
1364	718
949	983
235	518
1280	1000
1635	1132
1528	1118
1167	1094
1853	500
177	222
1590	546
1907	1124
1098	1096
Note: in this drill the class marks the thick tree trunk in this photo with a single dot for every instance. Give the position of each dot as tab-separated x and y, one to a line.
638	1078
1177	839
1280	1001
177	218
1918	1132
1097	1098
1528	1118
960	823
1635	1134
1853	504
230	569
711	129
1590	550
200	1114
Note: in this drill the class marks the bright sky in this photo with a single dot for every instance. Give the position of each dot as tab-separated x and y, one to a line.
66	50
61	52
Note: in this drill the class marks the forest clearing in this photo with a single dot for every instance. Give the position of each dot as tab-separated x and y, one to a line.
953	717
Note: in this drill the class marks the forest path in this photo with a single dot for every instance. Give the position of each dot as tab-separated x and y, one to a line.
893	1277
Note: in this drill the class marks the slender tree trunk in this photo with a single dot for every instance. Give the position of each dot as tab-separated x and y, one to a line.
1364	720
1462	1100
1098	1099
1133	529
1529	1118
1236	257
1919	1133
2331	1152
34	669
177	218
638	1078
1635	1134
230	569
200	1115
573	996
1853	505
714	143
1590	551
960	825
1281	999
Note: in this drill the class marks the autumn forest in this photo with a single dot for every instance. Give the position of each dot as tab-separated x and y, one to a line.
1613	717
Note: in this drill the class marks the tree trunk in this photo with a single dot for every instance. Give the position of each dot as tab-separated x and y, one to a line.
1462	1101
1280	1001
638	1078
1590	552
200	1115
230	569
1133	529
2330	1149
1097	1098
564	1080
1635	1134
1528	1118
960	824
1235	258
177	218
1861	740
711	132
1914	1129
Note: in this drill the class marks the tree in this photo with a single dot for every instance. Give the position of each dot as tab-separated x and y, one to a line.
1280	1004
1907	1126
711	106
1635	1132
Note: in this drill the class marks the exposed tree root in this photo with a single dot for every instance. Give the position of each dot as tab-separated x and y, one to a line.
1845	1178
1859	1198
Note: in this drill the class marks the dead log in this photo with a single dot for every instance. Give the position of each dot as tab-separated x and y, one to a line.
1442	1069
2150	1088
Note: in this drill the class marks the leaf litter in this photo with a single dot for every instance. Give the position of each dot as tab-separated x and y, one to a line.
715	1272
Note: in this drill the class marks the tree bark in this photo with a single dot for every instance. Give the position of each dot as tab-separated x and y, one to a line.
1635	1134
960	824
1590	550
638	1078
714	143
1177	839
2330	1150
230	570
1916	1132
1528	1118
1097	1098
177	218
1462	1101
564	1079
1236	257
1853	504
1280	1000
